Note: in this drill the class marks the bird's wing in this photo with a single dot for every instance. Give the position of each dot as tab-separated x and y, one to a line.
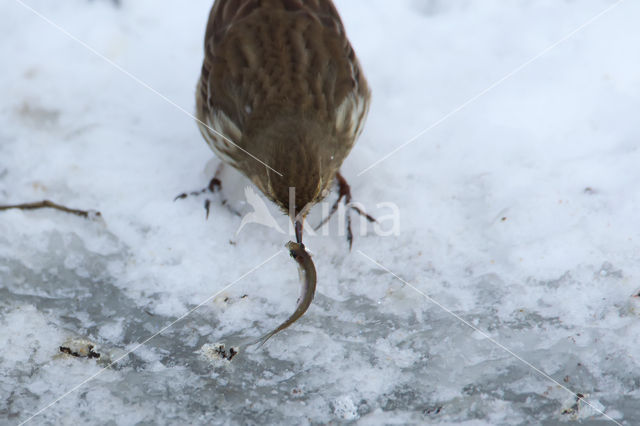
254	49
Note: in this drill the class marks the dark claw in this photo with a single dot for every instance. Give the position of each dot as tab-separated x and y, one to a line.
349	233
181	197
207	206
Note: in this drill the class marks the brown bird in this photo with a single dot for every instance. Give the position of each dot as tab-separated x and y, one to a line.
282	97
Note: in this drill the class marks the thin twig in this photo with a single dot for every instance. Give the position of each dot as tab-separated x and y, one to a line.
46	204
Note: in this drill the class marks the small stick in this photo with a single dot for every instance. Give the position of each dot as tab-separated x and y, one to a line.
50	205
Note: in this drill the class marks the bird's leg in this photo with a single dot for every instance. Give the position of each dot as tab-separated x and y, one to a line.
46	204
214	186
344	192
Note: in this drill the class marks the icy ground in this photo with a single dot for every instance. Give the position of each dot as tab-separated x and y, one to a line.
518	213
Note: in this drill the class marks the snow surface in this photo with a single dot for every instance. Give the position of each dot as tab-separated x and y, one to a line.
519	213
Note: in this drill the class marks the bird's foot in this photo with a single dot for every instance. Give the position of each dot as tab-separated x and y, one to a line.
344	193
215	185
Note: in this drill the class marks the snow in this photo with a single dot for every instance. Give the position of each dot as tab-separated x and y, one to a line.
517	213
